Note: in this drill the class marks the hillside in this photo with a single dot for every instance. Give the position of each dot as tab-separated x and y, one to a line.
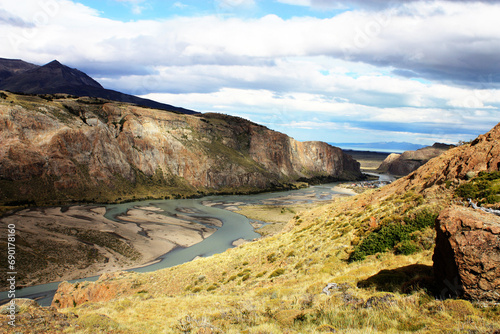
409	161
12	67
21	77
62	149
277	284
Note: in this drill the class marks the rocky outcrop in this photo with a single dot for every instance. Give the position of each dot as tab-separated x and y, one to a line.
443	173
467	254
57	149
409	161
107	287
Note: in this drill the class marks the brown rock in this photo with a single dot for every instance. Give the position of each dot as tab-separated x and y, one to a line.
467	254
107	287
67	149
409	161
441	174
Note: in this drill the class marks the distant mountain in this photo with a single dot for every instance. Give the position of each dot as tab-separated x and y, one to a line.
409	161
380	146
22	77
10	67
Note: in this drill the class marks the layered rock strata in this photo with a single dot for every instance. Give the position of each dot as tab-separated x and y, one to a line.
57	149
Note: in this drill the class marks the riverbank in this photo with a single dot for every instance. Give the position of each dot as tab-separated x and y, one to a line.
276	214
66	243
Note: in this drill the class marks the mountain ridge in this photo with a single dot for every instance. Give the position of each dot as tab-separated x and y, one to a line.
408	161
52	78
97	151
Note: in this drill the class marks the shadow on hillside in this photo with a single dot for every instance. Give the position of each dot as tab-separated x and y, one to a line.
404	279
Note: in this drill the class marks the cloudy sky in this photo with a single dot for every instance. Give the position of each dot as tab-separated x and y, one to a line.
330	70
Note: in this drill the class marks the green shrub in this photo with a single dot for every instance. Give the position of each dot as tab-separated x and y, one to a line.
485	188
388	236
271	257
406	247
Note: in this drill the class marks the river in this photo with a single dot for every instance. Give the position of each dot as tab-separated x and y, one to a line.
234	227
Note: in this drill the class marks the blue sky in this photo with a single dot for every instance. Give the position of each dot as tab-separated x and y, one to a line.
157	9
330	70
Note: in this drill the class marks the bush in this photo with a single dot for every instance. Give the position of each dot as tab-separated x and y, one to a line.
271	257
485	188
395	233
406	247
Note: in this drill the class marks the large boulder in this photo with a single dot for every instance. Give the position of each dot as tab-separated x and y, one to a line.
467	254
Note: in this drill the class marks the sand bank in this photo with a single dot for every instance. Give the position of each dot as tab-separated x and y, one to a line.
55	244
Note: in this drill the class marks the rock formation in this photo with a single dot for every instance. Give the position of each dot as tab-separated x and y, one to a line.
450	169
105	288
57	149
409	161
467	254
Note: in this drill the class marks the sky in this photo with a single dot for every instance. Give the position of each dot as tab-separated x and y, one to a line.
331	70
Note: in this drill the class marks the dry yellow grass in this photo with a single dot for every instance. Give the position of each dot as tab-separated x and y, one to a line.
274	285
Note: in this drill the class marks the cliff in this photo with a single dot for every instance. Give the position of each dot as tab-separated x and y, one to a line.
409	161
58	149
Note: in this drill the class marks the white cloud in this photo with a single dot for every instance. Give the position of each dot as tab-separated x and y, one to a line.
136	6
305	3
284	72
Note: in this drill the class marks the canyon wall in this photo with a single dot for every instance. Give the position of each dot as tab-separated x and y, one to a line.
58	148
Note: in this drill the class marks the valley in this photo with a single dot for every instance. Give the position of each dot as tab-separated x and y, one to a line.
78	242
174	218
277	283
250	167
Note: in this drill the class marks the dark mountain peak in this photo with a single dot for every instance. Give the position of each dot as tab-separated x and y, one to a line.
62	75
50	78
54	77
54	64
10	67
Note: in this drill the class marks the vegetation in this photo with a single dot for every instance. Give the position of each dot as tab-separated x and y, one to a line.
397	236
485	188
275	285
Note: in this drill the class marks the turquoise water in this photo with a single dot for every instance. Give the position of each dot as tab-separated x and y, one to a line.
235	226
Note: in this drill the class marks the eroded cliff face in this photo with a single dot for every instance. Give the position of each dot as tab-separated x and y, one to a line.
58	148
409	161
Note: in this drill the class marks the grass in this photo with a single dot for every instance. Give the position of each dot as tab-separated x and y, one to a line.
274	285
